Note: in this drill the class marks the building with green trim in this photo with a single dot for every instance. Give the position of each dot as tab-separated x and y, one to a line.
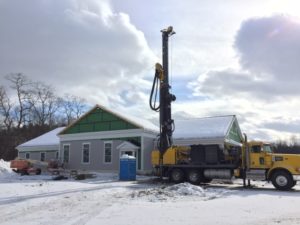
97	140
222	130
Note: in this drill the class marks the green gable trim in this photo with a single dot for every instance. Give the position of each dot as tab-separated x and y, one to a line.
99	120
234	133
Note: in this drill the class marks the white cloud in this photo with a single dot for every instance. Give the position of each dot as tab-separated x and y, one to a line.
270	46
100	51
265	90
80	47
268	50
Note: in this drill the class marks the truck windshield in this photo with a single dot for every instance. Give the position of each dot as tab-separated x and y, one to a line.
267	148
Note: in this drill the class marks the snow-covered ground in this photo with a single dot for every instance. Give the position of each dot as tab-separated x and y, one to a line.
108	201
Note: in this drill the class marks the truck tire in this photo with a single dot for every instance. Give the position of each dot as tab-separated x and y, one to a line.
24	172
194	176
38	171
177	175
282	180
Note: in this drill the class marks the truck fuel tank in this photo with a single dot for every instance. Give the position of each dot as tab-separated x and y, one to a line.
218	173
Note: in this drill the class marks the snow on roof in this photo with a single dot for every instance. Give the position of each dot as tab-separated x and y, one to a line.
209	127
126	145
49	138
145	124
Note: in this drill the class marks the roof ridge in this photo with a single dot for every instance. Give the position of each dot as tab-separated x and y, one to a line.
121	116
206	117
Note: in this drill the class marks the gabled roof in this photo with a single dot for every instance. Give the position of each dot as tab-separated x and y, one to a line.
48	139
204	128
135	121
126	145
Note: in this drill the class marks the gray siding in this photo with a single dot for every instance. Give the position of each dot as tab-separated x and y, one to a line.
36	155
96	155
148	147
21	155
50	155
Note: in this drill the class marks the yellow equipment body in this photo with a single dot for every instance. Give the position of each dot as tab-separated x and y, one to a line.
253	161
174	155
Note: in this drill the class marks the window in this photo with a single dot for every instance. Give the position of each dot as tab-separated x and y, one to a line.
43	156
86	153
27	155
66	153
268	148
56	155
107	152
256	149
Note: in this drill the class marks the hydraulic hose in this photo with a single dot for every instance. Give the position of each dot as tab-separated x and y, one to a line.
154	90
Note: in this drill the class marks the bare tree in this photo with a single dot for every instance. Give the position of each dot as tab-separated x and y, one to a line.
20	83
73	107
293	140
6	109
31	109
79	106
44	104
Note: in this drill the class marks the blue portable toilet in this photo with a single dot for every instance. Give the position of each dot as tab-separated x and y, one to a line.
127	167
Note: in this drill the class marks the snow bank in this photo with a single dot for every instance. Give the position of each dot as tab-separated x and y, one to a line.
186	189
177	191
5	170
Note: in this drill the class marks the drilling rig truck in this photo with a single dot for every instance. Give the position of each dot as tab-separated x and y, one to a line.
199	163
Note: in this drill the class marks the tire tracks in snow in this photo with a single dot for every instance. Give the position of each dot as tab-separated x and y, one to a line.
74	207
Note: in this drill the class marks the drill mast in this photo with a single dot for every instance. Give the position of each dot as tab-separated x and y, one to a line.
161	81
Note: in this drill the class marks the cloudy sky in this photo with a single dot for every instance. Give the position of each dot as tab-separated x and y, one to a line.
227	57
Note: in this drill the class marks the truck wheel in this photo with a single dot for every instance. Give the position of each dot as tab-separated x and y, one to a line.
282	180
177	176
23	172
194	176
38	171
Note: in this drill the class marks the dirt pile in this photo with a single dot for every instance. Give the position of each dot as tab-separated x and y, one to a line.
177	191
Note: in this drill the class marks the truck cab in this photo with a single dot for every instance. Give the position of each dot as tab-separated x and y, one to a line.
260	155
261	163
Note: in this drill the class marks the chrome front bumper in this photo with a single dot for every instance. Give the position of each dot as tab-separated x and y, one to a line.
296	177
